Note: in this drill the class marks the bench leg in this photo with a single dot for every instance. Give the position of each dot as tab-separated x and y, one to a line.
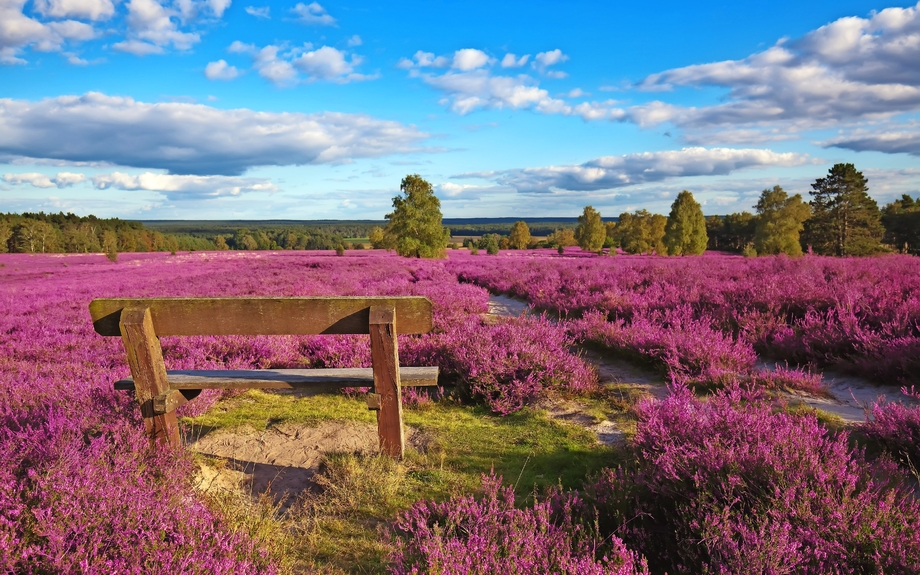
385	356
146	360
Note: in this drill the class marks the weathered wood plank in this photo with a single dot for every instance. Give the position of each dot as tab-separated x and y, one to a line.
146	361
385	357
263	315
287	378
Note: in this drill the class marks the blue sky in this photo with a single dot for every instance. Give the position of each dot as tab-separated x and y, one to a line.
239	109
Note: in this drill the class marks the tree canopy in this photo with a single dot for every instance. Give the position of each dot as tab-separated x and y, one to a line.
780	220
519	239
845	220
685	230
640	233
415	228
591	231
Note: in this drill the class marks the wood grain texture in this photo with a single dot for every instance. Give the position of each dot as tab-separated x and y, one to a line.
263	315
146	361
287	378
169	401
385	357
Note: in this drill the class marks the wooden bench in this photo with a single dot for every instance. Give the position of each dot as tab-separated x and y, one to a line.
159	392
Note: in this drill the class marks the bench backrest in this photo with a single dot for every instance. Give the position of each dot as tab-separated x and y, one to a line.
264	315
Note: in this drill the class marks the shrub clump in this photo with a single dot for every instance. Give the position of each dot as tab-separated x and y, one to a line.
489	535
506	365
728	486
896	427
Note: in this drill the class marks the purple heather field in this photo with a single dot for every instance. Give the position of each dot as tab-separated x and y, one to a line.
721	484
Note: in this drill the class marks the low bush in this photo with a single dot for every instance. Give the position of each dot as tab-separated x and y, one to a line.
488	535
729	486
896	427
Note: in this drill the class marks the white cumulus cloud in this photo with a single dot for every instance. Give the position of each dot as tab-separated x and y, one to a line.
183	187
512	61
312	13
471	85
188	138
83	9
282	66
220	70
61	180
469	59
17	31
904	139
260	12
851	69
152	28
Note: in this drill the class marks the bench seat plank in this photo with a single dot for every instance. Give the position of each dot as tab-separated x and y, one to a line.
287	378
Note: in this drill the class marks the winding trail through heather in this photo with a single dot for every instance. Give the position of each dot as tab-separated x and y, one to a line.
850	396
612	373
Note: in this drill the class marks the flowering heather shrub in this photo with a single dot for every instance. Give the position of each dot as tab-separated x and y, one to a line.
897	428
860	314
688	348
728	486
466	536
506	365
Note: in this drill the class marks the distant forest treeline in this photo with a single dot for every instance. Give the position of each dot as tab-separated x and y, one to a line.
355	228
56	233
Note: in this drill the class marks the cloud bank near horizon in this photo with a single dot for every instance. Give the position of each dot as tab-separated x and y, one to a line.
610	172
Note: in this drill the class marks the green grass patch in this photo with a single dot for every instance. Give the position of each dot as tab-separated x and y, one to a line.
343	527
260	409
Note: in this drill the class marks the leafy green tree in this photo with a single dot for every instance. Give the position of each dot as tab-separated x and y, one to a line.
685	230
780	220
845	220
641	232
6	232
591	231
561	238
415	224
379	239
519	238
35	236
490	243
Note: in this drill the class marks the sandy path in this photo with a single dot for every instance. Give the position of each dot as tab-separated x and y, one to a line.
851	395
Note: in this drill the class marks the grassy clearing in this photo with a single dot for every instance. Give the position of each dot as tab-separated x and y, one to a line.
342	529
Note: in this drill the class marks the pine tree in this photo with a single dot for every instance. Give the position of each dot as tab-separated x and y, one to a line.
780	220
591	231
415	224
846	221
685	231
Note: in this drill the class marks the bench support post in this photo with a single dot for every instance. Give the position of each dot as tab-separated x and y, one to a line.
145	357
385	356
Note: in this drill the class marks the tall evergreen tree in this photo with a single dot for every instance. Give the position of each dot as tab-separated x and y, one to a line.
591	231
845	220
685	231
415	224
780	220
